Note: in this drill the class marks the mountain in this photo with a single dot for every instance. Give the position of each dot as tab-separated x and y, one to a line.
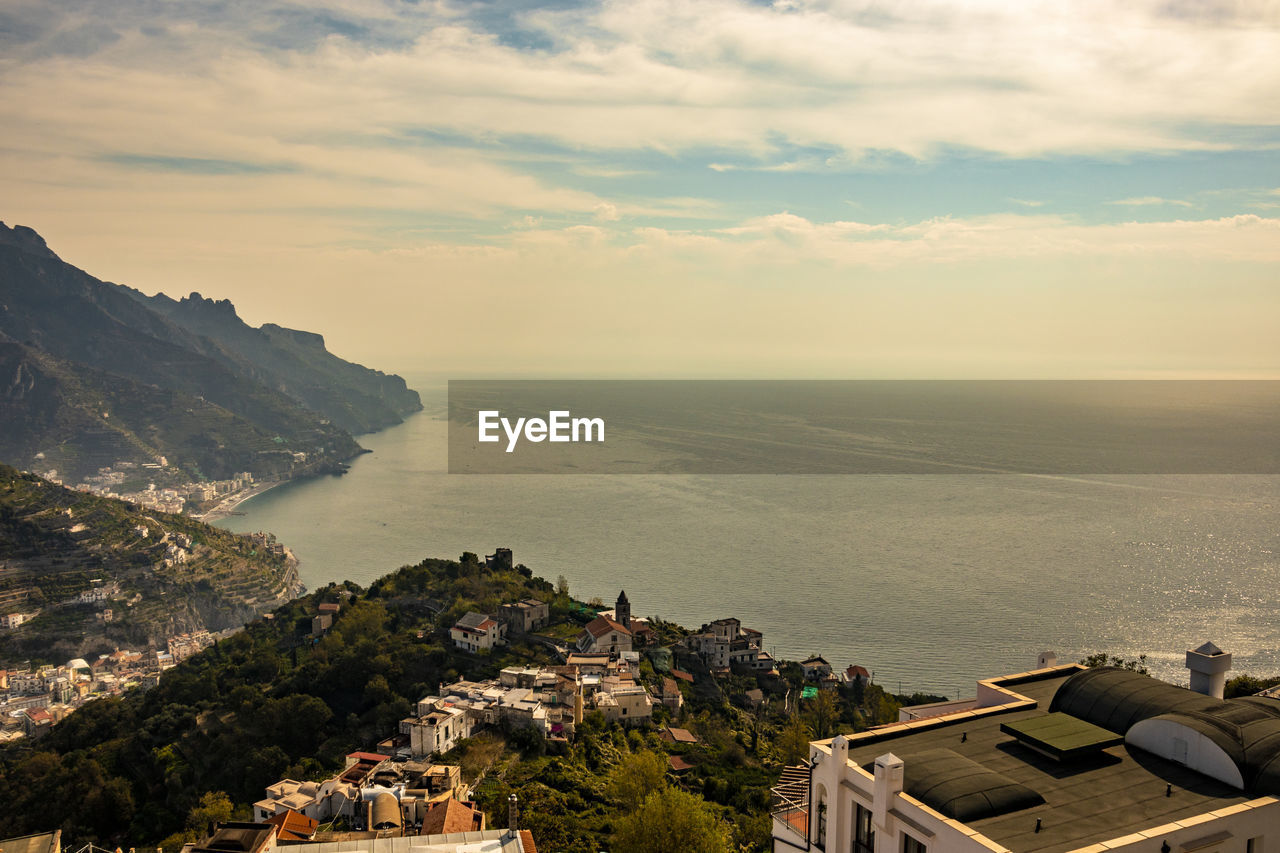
91	340
56	543
77	419
296	363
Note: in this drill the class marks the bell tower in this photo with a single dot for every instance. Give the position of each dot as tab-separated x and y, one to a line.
622	610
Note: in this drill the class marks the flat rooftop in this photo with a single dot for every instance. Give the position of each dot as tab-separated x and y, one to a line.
1117	792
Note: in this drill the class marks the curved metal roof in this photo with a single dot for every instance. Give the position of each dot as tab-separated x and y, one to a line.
961	788
1247	729
1117	698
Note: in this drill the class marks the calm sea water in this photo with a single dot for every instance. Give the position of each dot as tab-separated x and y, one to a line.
930	581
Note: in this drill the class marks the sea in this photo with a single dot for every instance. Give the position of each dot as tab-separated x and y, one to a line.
930	581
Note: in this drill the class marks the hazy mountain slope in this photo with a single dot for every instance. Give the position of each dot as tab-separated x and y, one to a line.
81	419
203	398
293	362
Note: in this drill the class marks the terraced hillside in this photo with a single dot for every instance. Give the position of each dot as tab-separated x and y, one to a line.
158	574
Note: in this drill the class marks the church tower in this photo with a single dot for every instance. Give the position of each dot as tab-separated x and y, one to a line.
622	610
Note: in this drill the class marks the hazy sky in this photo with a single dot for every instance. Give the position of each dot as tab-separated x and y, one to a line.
694	188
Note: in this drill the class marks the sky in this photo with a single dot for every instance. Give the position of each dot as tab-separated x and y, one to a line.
648	188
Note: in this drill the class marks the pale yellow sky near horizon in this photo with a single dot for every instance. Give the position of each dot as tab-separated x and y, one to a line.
575	309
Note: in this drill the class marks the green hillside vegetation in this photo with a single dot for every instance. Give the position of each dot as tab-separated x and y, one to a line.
83	419
271	702
56	543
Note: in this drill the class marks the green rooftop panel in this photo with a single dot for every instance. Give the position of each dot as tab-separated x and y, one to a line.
1062	736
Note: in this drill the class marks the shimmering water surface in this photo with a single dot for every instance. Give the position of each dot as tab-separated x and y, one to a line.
930	581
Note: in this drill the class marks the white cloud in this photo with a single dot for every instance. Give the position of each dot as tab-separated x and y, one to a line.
1020	79
1150	200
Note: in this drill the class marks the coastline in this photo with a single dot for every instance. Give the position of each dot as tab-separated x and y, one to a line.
228	504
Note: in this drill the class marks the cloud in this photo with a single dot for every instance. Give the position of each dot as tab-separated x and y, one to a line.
786	240
1027	79
1026	202
1150	200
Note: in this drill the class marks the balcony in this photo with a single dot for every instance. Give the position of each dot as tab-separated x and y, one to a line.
789	800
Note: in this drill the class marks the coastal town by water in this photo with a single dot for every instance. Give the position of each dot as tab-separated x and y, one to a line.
158	485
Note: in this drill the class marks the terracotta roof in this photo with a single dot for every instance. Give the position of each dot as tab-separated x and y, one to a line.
293	826
857	672
602	625
452	816
678	764
376	758
683	676
526	841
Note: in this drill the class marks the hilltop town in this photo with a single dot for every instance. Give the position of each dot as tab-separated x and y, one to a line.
471	706
468	693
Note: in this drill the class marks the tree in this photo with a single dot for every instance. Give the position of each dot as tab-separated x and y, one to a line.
668	820
562	585
1248	685
214	808
1103	659
824	712
793	742
636	777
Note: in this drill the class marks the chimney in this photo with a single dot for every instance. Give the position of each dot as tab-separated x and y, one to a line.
1208	665
1046	660
513	814
889	771
840	750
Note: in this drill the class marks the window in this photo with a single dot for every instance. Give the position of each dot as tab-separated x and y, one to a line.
821	840
864	834
910	845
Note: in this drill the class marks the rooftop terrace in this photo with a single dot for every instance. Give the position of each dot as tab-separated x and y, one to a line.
1113	792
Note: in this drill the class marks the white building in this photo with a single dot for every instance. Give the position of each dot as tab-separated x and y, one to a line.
1057	759
13	620
725	643
322	801
476	632
603	634
438	730
626	702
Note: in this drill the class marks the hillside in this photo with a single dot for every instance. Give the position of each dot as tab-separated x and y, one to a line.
271	381
276	702
161	574
352	396
77	420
